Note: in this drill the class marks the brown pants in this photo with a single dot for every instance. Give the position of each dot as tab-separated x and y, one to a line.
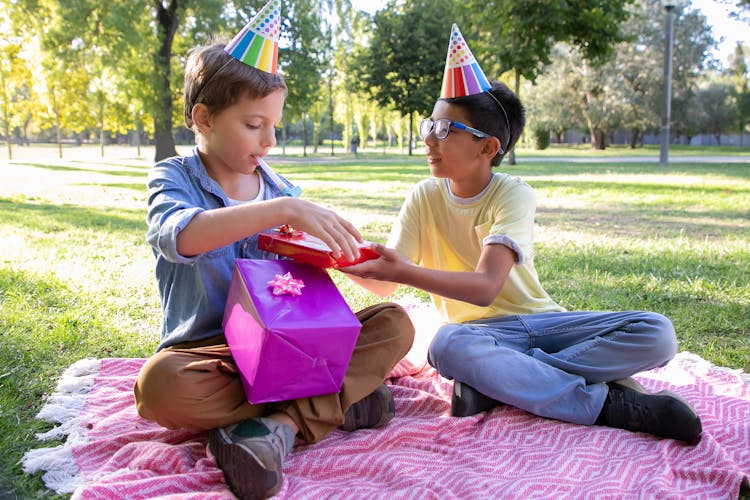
197	385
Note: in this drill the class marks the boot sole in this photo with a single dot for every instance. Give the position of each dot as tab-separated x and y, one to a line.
244	471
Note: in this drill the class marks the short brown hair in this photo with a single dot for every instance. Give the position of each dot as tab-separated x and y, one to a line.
218	80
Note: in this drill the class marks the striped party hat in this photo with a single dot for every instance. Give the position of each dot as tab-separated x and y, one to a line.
462	76
257	45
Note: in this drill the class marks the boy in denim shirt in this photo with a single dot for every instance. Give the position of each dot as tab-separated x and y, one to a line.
204	211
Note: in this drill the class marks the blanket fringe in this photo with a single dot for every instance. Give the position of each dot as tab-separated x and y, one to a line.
63	408
63	475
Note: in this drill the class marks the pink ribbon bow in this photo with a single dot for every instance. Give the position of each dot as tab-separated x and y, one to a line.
286	284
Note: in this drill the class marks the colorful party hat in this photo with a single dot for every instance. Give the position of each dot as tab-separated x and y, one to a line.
462	76
257	45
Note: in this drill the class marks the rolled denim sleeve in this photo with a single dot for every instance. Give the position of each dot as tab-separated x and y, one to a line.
172	204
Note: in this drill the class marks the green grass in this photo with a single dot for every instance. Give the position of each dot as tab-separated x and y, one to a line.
76	277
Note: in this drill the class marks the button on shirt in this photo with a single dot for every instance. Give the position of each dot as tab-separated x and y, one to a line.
194	289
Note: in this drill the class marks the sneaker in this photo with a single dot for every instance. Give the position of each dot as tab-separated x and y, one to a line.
664	414
467	401
371	412
251	454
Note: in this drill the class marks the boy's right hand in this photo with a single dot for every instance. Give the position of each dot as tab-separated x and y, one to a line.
335	231
384	268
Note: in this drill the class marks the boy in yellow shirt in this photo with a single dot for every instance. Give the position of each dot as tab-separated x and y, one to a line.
466	237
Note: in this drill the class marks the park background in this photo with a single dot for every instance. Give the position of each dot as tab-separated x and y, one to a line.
75	72
88	104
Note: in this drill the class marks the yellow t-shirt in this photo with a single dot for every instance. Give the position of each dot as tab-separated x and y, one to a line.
437	230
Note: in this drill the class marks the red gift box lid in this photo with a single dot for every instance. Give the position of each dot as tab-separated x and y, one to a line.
306	248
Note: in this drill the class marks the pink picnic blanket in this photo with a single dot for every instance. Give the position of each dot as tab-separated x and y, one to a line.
423	453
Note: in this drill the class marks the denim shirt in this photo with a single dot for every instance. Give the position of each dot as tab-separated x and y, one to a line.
194	289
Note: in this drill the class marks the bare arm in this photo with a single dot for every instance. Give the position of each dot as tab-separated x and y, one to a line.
221	226
380	288
478	287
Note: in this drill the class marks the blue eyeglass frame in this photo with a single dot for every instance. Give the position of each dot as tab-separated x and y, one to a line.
451	123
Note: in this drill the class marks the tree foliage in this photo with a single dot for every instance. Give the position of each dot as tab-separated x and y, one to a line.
117	67
519	36
626	91
403	66
15	88
303	58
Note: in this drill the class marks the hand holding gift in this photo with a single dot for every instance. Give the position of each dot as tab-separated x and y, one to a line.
338	234
306	248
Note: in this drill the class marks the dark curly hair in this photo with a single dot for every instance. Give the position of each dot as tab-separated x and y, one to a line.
500	114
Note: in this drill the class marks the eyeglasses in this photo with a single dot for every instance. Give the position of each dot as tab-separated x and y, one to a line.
442	127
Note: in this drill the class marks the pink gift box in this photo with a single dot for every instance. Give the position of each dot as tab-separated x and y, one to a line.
288	346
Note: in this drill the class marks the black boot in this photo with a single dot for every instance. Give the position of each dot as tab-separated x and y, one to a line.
467	401
664	414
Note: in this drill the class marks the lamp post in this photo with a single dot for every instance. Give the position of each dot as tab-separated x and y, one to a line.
666	115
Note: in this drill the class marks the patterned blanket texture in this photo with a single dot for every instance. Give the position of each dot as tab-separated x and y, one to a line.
109	452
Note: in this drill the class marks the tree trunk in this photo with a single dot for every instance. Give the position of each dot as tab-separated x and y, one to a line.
315	136
167	27
601	140
634	134
304	135
283	141
411	130
25	129
138	127
6	118
101	129
7	139
512	152
58	137
598	137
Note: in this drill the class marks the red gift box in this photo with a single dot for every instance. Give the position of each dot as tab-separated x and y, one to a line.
306	248
290	331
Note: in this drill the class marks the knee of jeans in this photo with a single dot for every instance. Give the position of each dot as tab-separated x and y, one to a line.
663	337
441	351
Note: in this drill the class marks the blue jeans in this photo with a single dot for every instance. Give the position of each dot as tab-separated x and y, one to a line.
554	365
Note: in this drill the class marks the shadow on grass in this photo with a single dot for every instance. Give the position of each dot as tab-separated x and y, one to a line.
135	172
356	201
683	266
636	188
135	186
414	171
636	222
51	218
117	164
40	337
356	172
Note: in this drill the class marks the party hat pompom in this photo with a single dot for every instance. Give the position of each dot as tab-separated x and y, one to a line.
462	76
257	45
